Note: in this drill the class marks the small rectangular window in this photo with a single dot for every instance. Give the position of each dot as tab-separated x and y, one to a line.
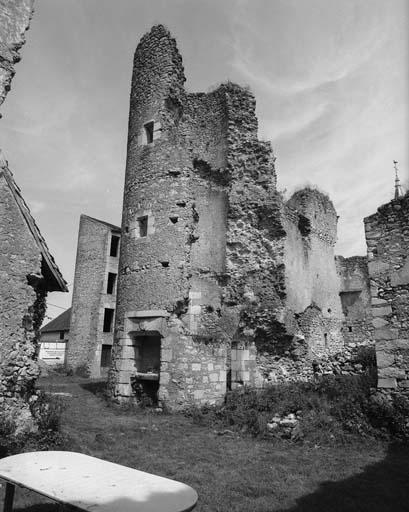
143	226
61	335
149	131
111	283
108	319
106	356
114	246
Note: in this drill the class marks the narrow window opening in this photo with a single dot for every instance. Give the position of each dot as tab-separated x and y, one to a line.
326	339
106	351
143	226
111	283
114	246
108	319
61	335
350	329
149	132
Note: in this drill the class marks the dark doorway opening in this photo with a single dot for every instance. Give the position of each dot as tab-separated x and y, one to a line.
145	382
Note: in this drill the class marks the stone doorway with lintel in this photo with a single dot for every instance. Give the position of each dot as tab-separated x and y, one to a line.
140	363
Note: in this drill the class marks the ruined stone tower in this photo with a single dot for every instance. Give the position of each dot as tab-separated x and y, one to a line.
202	274
198	186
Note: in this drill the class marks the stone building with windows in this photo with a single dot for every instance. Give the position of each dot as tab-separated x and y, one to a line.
94	298
219	278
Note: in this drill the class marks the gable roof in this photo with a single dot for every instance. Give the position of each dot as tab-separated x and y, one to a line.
60	323
108	224
49	269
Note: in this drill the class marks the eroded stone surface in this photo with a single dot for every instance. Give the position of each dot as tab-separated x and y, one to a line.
248	281
387	238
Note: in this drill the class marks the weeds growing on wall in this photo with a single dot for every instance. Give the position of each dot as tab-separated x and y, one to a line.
333	408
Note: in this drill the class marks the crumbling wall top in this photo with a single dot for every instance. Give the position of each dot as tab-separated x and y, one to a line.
318	208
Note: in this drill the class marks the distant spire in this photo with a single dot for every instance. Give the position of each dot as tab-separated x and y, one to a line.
398	186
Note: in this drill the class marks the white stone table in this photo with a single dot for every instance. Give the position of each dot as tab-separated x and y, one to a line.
86	483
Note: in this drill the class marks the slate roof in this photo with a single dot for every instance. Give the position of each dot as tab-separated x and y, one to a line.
60	323
49	269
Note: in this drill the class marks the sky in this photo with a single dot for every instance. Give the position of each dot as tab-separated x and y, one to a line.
331	80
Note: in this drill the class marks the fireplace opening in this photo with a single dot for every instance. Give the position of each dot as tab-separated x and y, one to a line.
145	381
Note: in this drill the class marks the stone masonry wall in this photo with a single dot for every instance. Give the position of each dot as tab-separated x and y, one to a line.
204	181
176	183
89	299
355	296
210	252
22	308
312	282
15	17
387	238
312	316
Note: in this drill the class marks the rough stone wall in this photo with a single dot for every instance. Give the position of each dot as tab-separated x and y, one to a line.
22	308
15	17
89	298
209	247
176	183
355	296
387	238
312	282
204	181
310	319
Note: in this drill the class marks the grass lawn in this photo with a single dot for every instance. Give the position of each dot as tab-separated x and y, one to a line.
229	472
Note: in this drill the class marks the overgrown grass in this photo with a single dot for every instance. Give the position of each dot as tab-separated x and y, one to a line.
233	472
334	408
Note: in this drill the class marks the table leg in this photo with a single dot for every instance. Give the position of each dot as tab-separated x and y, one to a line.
9	497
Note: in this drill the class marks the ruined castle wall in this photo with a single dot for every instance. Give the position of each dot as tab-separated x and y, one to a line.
312	282
90	299
387	238
355	299
212	261
175	184
21	309
15	17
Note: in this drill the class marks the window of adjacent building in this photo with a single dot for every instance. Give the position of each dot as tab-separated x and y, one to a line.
149	127
114	246
142	226
108	319
61	335
106	356
111	283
